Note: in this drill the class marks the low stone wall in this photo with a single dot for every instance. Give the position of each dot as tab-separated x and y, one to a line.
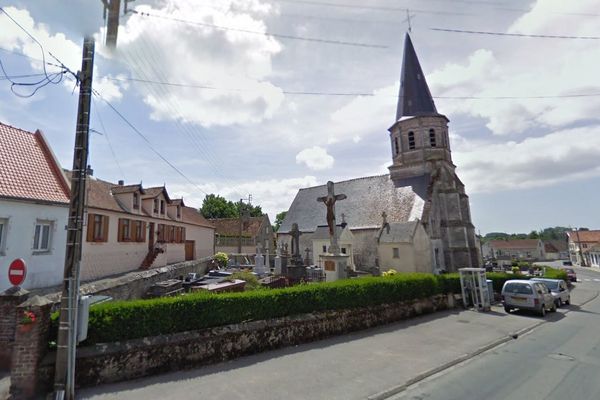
119	361
133	285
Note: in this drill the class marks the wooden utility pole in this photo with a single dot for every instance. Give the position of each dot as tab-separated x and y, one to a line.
64	378
112	7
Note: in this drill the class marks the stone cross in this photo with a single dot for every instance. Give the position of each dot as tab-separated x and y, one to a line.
330	201
295	232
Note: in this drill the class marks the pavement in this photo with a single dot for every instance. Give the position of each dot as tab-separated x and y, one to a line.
374	364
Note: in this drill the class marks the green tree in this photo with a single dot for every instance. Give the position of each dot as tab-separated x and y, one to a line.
533	235
252	211
215	206
278	220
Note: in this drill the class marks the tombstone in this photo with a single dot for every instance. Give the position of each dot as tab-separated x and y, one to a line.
335	263
259	264
267	263
278	269
307	259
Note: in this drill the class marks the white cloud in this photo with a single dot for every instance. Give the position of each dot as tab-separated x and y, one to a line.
559	157
273	195
315	158
530	67
232	66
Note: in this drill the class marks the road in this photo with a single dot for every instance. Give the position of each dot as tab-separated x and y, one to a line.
559	360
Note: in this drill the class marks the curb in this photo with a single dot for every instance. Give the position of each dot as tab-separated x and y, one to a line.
400	388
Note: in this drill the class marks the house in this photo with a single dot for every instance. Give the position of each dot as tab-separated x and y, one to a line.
556	249
34	206
321	242
131	227
505	251
422	186
405	247
257	232
581	242
594	256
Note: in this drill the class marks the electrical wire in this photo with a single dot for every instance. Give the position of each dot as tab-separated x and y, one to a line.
516	34
105	134
277	35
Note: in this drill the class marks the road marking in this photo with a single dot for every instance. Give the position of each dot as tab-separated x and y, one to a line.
596	280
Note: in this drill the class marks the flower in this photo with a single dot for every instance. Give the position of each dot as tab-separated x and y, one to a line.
28	318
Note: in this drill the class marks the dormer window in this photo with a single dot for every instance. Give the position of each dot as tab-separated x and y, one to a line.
178	212
411	140
136	201
432	141
162	206
156	206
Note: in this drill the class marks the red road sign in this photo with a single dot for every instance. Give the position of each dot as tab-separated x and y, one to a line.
17	271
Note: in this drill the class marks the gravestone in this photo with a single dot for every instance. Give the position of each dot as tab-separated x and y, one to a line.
259	264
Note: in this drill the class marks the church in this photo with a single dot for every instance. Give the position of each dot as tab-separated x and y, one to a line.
416	218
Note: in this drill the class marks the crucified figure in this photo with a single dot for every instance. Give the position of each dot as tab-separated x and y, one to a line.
329	201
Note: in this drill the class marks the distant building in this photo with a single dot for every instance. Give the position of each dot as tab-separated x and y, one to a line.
517	249
581	244
556	249
34	206
257	232
321	242
404	248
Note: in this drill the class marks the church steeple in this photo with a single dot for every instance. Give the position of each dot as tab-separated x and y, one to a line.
415	98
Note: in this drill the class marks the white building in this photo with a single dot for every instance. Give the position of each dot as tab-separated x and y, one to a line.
34	204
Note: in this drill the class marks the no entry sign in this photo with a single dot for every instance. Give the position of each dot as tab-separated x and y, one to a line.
17	271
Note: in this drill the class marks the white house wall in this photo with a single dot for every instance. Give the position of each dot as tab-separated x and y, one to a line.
43	269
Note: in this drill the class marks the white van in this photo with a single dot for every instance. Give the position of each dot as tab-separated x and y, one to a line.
527	295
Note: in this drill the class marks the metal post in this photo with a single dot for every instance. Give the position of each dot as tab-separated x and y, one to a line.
64	377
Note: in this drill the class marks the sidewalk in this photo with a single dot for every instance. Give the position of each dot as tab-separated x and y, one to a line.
355	366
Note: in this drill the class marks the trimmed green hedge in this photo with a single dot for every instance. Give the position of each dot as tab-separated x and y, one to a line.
123	320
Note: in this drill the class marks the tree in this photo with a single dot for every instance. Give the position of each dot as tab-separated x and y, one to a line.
252	211
533	235
215	206
278	220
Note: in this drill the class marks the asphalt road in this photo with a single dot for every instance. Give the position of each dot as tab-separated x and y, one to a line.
558	360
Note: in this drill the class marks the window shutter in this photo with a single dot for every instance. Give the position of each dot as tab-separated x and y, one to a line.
133	230
105	228
90	228
143	236
183	238
120	235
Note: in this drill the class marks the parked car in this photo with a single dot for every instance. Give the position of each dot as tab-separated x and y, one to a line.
559	290
571	275
569	263
527	295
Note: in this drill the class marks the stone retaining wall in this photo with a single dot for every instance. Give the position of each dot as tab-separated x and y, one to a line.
120	361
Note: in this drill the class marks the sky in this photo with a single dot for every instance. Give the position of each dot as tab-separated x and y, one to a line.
265	97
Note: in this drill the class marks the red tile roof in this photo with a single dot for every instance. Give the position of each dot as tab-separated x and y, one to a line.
585	236
29	170
515	244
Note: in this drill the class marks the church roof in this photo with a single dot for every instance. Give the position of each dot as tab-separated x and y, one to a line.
366	199
415	98
399	232
322	232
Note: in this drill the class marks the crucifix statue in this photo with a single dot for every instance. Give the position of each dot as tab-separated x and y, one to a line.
295	232
330	201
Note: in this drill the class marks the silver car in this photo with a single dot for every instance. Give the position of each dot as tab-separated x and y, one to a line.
559	290
527	295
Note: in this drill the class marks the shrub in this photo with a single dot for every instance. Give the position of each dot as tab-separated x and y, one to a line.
123	320
251	280
390	272
221	259
516	270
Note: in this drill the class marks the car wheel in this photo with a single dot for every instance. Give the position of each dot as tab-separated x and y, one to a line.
559	303
543	311
553	309
507	309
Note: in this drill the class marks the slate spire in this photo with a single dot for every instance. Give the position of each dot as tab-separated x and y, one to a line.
415	98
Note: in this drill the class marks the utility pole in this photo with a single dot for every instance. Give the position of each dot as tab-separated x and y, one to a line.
243	217
112	8
64	378
579	247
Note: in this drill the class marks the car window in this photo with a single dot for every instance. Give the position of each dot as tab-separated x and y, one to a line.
519	288
551	285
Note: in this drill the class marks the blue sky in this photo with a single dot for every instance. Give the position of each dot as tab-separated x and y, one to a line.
527	163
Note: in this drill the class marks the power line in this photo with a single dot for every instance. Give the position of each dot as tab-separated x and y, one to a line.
278	35
377	8
112	150
349	94
148	143
516	34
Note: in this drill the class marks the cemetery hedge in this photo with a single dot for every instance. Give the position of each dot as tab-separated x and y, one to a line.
124	320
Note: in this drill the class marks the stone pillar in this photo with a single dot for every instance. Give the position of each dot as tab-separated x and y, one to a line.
30	347
9	300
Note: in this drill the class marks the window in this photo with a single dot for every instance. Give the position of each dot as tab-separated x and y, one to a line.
97	228
162	206
182	235
178	212
124	230
411	140
396	252
432	142
160	233
171	234
41	236
324	249
343	250
136	201
139	231
156	206
396	147
3	225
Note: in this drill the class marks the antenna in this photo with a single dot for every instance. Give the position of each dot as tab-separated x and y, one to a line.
408	20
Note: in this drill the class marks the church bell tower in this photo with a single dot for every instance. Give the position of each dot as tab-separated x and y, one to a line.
421	158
